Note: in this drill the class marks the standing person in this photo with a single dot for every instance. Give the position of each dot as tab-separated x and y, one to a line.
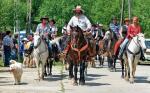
133	30
7	45
114	27
15	47
43	30
53	28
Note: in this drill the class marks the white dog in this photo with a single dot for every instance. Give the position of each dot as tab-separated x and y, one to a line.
17	70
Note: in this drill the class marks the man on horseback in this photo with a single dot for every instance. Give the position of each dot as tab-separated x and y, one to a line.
43	30
114	27
133	30
53	28
79	19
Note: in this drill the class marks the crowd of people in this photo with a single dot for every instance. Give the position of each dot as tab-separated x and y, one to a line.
48	30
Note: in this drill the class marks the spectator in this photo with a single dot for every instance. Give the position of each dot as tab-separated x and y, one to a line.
7	45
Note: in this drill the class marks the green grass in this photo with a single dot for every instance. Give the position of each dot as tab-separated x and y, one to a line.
1	62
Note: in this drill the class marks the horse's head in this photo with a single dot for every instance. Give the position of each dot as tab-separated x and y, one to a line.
37	40
76	33
107	35
141	40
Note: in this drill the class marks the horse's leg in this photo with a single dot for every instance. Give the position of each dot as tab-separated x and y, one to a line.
130	60
114	62
50	69
71	70
134	65
75	74
37	65
82	69
122	67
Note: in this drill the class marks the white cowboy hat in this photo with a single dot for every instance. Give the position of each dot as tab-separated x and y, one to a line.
25	39
100	24
78	8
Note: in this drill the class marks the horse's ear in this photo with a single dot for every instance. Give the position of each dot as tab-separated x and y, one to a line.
71	27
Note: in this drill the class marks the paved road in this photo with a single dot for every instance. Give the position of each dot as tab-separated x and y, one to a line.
99	80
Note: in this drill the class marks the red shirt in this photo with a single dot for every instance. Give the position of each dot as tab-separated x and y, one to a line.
133	31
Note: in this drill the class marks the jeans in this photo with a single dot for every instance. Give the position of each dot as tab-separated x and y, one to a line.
122	47
7	54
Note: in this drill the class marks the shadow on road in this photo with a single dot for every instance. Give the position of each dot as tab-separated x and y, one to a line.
142	79
96	84
54	78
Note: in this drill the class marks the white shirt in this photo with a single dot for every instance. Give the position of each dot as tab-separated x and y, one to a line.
53	29
81	21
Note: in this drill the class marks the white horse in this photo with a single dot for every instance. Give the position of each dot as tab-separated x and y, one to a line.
133	55
40	54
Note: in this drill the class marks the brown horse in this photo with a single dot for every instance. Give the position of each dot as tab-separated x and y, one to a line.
77	55
106	49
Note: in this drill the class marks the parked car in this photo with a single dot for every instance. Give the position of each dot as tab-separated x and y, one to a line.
147	53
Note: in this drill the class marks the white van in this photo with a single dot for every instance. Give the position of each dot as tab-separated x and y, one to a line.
147	52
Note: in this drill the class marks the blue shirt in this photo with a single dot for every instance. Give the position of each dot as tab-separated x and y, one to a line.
115	28
7	41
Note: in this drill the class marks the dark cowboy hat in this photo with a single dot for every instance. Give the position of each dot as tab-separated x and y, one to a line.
114	18
52	20
78	8
45	17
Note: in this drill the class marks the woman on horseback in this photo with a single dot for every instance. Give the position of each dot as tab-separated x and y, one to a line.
133	30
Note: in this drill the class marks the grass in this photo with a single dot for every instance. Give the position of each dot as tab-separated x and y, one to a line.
1	62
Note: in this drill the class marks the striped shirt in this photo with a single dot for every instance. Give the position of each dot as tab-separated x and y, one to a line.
42	30
7	41
115	28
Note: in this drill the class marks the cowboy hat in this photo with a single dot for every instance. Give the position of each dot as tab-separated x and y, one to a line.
25	39
44	18
126	19
100	24
78	8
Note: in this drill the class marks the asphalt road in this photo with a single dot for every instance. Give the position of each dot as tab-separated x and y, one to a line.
98	80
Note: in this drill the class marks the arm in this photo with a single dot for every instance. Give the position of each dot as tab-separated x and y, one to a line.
38	29
69	24
88	23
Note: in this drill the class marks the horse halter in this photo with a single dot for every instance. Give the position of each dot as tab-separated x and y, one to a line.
39	42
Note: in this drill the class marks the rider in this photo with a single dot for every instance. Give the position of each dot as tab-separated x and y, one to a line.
133	30
53	28
123	32
124	28
114	27
79	19
43	30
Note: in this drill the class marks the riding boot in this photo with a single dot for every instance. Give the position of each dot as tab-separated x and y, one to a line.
142	55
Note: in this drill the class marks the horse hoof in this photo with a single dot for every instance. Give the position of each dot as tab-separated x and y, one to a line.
45	74
131	82
50	74
122	76
82	83
75	84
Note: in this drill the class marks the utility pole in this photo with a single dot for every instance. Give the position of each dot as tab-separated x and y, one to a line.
29	10
16	24
129	8
122	12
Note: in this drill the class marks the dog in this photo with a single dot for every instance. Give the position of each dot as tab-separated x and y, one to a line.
17	70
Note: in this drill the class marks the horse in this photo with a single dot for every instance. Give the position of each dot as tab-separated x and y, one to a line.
40	54
105	49
77	55
54	55
132	55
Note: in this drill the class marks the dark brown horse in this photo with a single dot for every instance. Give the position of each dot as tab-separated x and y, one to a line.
77	55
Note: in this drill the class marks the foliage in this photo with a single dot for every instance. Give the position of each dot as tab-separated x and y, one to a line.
98	11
